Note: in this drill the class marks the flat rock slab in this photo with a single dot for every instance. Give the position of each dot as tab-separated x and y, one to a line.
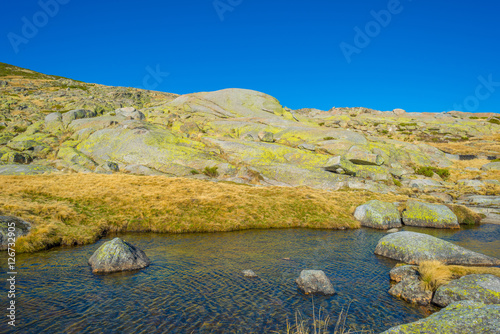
378	214
429	215
465	317
478	288
315	281
118	255
413	248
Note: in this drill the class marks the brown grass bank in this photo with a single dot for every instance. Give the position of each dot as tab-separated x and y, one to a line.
79	208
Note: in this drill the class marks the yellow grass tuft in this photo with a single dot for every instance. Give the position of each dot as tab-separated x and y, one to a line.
79	208
433	274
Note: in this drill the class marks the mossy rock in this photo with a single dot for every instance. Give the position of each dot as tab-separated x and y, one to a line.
478	288
464	317
413	248
378	214
12	224
429	215
118	255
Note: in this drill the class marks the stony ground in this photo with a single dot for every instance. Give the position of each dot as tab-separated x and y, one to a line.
54	125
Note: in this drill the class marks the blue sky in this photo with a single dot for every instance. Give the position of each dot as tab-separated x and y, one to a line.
419	55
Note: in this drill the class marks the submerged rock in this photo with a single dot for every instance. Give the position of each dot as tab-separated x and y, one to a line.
478	288
378	214
118	255
429	215
249	273
413	248
458	318
12	224
314	281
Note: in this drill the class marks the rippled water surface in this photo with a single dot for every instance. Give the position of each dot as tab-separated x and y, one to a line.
194	284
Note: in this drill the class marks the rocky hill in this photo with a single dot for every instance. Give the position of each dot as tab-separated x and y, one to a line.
50	124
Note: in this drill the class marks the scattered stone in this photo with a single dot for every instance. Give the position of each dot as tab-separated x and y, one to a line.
314	281
72	115
491	166
266	137
249	273
413	248
336	163
118	255
130	113
429	215
393	230
359	156
14	225
378	214
464	317
399	112
477	288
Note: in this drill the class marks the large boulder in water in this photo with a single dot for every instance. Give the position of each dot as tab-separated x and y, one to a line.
458	318
17	226
413	248
429	215
118	255
314	281
378	214
478	288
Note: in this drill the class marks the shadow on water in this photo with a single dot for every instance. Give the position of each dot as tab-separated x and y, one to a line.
195	285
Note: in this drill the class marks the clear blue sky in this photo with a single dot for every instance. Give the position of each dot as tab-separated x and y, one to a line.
429	57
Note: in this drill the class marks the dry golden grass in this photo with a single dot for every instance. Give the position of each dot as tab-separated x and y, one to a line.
433	274
487	145
79	208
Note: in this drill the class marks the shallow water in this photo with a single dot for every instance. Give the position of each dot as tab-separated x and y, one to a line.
194	284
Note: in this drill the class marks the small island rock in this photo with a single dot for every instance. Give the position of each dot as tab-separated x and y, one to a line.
314	281
118	255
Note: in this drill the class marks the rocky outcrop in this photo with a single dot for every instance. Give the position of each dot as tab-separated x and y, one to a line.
458	318
118	255
12	227
378	214
314	281
429	215
412	248
478	288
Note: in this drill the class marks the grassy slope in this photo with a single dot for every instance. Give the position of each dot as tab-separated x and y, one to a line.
78	209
